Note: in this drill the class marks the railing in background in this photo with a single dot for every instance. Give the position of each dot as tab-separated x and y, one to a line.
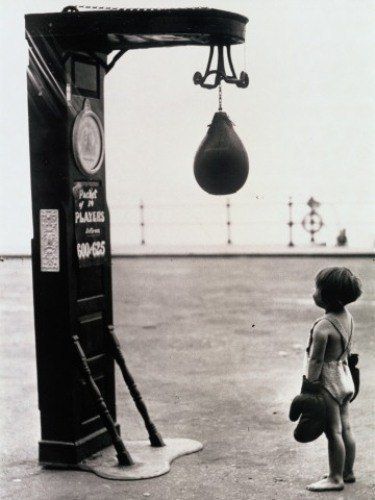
290	222
229	232
142	222
227	222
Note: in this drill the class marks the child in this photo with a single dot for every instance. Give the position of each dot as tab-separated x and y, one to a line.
326	360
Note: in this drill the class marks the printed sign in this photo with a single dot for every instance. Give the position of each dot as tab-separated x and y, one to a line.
49	240
90	223
88	140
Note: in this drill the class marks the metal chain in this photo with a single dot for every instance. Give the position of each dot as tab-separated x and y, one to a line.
220	98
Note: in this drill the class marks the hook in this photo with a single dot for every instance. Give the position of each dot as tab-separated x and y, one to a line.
220	74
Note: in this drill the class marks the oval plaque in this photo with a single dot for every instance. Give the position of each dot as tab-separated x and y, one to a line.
88	145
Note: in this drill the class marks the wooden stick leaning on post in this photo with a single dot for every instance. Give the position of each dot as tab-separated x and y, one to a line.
123	455
155	438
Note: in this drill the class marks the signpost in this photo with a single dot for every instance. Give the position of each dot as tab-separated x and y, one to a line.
312	222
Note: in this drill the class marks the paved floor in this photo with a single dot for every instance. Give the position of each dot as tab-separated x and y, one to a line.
216	348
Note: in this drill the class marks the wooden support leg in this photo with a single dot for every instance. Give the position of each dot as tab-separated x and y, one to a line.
155	438
122	454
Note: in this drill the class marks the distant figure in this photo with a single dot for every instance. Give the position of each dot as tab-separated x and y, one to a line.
326	363
342	240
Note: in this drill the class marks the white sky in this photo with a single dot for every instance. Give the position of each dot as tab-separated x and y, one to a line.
307	121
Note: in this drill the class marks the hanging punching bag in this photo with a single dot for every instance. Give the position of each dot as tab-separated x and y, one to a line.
221	165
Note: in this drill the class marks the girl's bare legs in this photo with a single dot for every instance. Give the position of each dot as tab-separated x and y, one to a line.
349	444
336	449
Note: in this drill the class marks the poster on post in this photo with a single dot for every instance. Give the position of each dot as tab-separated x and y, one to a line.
90	223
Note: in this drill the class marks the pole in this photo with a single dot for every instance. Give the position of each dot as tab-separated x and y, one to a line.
142	222
290	223
229	223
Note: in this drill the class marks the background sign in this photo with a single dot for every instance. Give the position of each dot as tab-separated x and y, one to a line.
90	223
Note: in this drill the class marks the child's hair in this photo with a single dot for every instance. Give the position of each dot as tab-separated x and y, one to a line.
338	286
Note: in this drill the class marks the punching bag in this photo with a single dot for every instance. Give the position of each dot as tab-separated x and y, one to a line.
221	165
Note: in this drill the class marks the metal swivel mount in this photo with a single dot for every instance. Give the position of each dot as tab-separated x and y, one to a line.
219	72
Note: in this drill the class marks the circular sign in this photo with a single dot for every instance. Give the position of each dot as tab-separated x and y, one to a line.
88	146
312	222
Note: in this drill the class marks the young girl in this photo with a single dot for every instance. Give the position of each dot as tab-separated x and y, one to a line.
326	360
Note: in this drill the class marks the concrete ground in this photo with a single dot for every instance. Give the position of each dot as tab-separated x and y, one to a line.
216	348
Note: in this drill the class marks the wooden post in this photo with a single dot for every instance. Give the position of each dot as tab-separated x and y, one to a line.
155	438
122	454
